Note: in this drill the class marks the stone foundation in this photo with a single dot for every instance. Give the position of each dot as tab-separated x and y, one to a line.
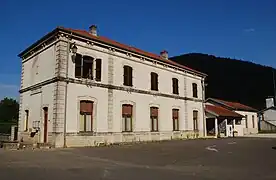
98	139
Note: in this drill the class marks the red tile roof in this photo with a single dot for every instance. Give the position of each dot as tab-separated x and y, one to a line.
126	47
236	105
221	112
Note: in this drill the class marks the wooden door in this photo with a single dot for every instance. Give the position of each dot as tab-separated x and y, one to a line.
45	112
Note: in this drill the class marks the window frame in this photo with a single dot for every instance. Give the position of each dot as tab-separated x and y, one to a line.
85	114
128	76
253	121
175	86
124	118
154	81
152	118
195	125
175	121
195	90
26	120
246	121
96	65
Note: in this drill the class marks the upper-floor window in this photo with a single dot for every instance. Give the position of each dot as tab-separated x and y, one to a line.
84	66
127	76
195	90
154	118
154	81
175	86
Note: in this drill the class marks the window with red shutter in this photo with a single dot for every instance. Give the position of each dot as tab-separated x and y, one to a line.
154	118
175	118
127	117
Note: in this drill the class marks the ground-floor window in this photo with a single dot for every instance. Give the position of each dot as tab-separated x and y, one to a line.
195	120
253	121
86	116
127	117
26	120
175	117
154	118
246	121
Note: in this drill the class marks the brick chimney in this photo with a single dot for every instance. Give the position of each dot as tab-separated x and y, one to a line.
164	54
93	30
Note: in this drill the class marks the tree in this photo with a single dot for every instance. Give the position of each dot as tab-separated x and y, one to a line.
9	110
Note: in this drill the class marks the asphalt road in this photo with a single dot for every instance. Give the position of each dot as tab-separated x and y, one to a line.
239	158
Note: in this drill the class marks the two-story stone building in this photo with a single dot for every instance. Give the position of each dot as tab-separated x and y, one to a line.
81	89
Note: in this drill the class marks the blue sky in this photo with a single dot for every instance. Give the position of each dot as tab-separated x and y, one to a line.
244	29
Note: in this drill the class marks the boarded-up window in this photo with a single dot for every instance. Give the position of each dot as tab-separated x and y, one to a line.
195	90
154	81
175	117
175	86
195	120
98	69
253	121
154	118
78	66
26	121
87	67
127	118
127	76
86	116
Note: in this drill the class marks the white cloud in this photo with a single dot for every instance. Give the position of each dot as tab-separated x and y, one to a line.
249	30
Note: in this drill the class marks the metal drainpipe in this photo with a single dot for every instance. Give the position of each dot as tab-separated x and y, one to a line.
65	108
203	107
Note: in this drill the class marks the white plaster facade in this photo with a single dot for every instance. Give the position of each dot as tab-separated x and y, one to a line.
252	123
248	123
48	80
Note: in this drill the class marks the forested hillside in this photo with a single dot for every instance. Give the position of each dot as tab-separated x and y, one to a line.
231	79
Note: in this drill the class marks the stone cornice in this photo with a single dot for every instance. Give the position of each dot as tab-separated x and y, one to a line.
108	86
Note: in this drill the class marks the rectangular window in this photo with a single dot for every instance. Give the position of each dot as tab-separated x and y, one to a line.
175	117
195	120
78	66
154	81
253	121
246	121
84	67
154	118
127	118
98	69
87	67
127	76
26	122
175	86
86	118
195	90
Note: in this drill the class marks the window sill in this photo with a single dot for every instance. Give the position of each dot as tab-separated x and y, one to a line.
86	133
